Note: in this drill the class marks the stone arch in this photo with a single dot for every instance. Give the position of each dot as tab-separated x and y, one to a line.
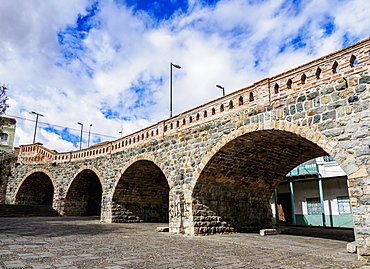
84	193
235	180
141	193
143	157
36	188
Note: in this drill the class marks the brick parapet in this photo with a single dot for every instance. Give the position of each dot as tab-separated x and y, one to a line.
263	96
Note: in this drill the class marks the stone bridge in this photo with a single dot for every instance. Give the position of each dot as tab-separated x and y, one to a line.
213	169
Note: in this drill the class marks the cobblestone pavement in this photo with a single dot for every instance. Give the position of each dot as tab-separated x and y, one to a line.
66	242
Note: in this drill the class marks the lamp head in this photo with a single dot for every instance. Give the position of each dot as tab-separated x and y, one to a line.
176	65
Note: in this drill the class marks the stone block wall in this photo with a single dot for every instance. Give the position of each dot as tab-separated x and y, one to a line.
220	208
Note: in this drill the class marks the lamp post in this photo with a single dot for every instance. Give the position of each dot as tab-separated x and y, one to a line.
82	127
222	88
178	67
37	118
88	141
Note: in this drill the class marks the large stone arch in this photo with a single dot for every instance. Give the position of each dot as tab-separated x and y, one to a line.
36	188
235	180
141	193
84	194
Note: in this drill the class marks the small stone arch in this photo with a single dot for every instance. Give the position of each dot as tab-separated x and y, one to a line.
41	171
143	157
83	196
87	167
30	196
141	192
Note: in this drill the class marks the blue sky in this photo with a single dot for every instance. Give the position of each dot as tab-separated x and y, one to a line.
106	62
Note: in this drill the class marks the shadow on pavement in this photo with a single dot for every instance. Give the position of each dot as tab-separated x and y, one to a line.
342	234
62	226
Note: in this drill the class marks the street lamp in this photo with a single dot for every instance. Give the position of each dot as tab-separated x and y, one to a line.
88	142
82	127
222	88
178	67
37	118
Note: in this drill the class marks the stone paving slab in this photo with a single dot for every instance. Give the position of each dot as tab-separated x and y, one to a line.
66	242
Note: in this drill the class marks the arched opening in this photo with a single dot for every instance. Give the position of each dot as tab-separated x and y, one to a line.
231	105
353	60
289	84
84	195
36	189
318	73
235	187
222	108
141	195
303	79
241	102
335	67
276	88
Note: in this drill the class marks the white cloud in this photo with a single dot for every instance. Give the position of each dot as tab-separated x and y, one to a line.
127	55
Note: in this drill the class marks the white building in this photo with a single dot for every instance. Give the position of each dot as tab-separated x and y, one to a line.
320	194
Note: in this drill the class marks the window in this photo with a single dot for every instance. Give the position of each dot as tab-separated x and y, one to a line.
276	88
4	138
344	205
328	159
313	206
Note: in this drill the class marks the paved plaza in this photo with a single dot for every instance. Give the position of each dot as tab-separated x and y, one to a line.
67	242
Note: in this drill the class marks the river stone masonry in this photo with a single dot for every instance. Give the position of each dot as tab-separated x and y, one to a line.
213	169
